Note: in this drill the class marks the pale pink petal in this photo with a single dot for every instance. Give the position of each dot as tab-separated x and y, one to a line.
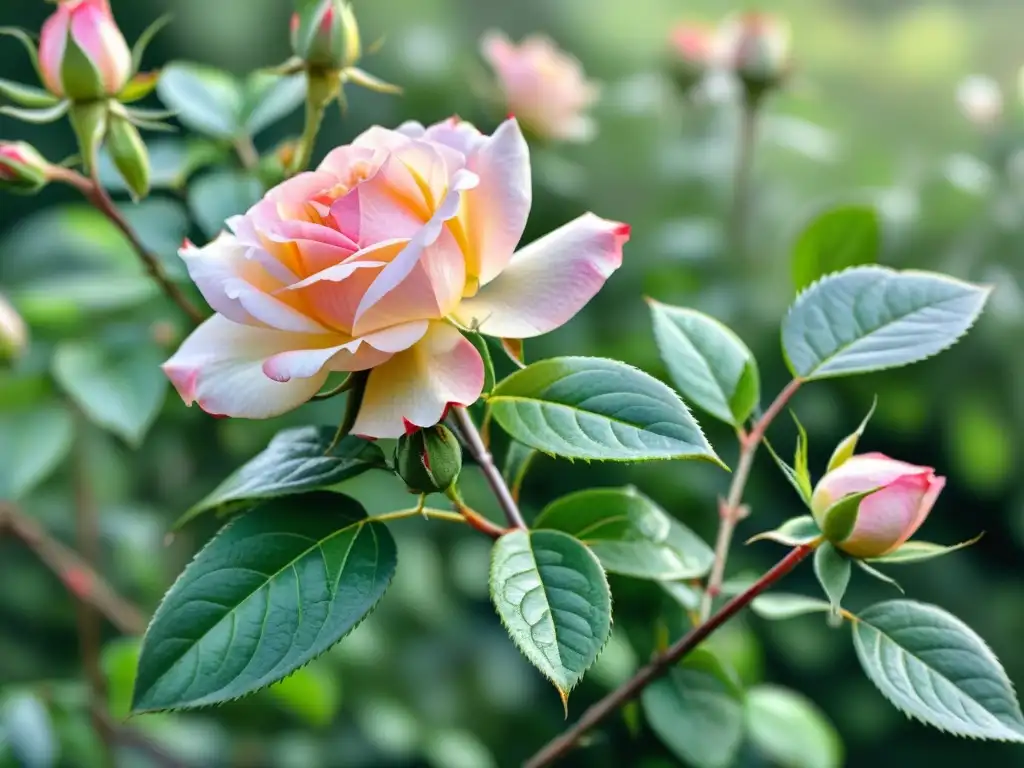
389	204
52	42
355	355
460	135
861	473
888	517
495	212
240	289
419	384
377	137
403	264
548	281
220	366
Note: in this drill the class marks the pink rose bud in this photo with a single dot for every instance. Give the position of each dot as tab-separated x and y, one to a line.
691	53
13	333
543	87
326	35
22	169
885	519
82	54
756	47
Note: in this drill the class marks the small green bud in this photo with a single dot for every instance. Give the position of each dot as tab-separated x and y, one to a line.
129	154
429	460
13	333
325	35
22	169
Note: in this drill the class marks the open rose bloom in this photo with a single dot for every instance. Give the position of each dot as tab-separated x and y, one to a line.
890	515
369	262
542	86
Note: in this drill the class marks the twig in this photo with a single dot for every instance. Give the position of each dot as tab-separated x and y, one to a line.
747	143
247	153
731	511
94	192
464	515
90	636
79	578
477	449
559	747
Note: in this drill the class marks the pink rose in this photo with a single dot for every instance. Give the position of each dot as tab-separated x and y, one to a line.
692	43
890	515
89	25
756	47
363	263
543	86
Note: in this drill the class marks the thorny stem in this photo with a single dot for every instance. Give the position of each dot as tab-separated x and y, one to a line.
477	449
94	192
731	511
660	664
77	575
464	515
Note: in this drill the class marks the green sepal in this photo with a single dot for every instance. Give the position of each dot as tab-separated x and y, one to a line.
37	116
877	574
26	95
139	87
89	119
838	520
139	49
79	77
833	570
848	444
129	154
26	40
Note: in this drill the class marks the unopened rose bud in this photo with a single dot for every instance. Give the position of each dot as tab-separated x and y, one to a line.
980	99
13	333
903	495
326	36
428	460
82	54
756	48
690	53
22	169
129	154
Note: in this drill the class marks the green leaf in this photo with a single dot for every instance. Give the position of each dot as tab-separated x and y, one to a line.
833	569
312	695
870	318
207	100
919	551
877	574
629	533
709	364
783	605
790	731
834	240
848	445
696	711
270	98
592	408
518	458
119	388
217	196
684	593
33	443
933	667
26	95
70	298
552	596
119	661
480	343
792	533
296	461
272	591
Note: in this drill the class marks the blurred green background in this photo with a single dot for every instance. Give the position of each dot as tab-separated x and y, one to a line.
431	679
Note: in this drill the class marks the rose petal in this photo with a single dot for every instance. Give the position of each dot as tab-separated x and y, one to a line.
417	385
495	212
548	281
220	366
53	40
888	517
861	473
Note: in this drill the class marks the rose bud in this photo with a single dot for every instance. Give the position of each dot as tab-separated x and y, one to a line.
690	50
898	498
756	48
543	87
22	169
13	333
82	54
326	35
428	460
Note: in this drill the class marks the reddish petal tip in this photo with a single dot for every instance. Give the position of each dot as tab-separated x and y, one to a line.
623	230
187	245
371	438
511	116
410	428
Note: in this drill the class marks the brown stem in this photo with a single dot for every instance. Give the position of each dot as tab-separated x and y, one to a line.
90	632
94	192
477	449
474	519
77	576
559	747
731	511
247	153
